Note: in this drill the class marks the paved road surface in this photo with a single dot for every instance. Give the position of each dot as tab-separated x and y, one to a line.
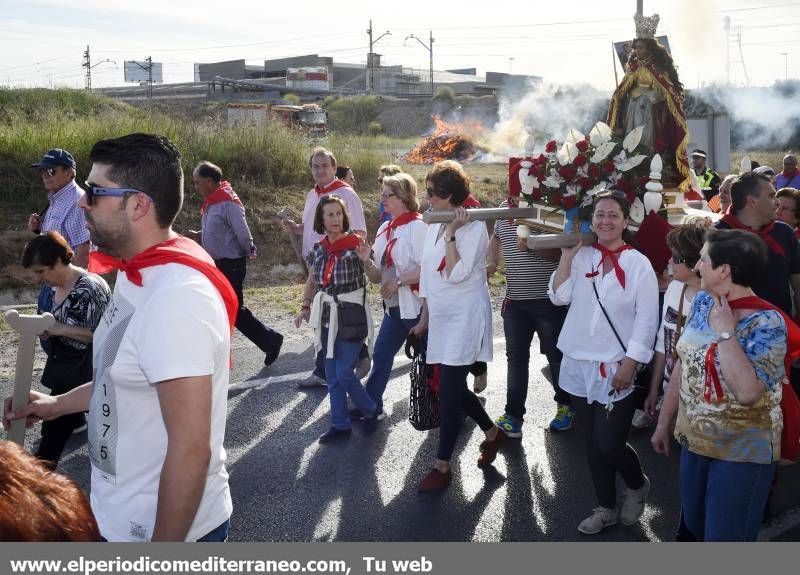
287	487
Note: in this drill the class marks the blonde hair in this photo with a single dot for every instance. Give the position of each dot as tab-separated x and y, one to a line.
405	188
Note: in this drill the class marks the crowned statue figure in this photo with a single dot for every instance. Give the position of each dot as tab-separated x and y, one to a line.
651	95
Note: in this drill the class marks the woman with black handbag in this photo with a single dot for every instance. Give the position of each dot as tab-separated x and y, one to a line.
79	300
457	316
607	336
334	303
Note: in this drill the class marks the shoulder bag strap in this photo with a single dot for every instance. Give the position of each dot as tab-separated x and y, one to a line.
619	339
678	325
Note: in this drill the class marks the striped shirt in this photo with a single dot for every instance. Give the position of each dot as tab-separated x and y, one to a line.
527	275
65	217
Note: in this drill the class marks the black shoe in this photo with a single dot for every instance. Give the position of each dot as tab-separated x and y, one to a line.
371	423
273	354
334	434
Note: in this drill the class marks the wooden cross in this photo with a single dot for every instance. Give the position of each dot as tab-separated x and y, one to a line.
28	326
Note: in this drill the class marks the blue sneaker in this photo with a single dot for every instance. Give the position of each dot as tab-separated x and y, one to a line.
563	419
509	425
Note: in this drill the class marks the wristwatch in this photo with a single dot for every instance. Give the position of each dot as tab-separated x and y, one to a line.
450	239
724	336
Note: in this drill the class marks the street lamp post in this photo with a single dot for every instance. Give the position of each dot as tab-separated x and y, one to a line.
371	58
785	65
429	48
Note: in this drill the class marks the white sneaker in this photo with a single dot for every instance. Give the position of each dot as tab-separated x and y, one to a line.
633	506
600	518
641	420
363	366
312	381
479	382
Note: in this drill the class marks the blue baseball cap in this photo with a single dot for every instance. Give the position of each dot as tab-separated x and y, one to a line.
55	157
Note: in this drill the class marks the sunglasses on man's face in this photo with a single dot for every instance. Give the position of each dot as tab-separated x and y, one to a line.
49	172
93	191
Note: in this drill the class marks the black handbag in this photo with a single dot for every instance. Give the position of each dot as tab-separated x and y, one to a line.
423	401
352	319
642	377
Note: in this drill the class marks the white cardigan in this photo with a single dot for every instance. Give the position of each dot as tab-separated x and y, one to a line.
459	309
407	257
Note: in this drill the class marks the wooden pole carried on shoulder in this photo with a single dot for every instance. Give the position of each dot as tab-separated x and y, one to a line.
479	214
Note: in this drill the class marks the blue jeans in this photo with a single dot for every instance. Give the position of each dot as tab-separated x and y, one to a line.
340	374
217	535
521	319
723	500
391	336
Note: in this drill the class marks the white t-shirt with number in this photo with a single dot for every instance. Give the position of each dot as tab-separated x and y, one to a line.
174	326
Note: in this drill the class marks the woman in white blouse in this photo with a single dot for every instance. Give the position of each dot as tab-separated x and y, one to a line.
394	262
599	365
457	314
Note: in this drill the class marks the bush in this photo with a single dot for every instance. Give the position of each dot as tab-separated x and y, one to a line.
293	99
375	129
353	114
444	94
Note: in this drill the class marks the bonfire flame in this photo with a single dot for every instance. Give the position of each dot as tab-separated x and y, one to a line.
449	141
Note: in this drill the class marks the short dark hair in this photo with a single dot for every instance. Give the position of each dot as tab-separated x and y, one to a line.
146	162
206	169
319	225
37	504
448	180
320	151
686	241
793	194
46	250
745	186
341	171
743	251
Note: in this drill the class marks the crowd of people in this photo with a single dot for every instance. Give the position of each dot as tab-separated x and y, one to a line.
719	348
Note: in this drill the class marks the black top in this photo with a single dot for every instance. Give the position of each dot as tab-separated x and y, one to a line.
774	286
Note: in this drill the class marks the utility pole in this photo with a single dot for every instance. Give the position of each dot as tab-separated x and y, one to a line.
372	57
87	63
741	55
149	61
727	28
429	48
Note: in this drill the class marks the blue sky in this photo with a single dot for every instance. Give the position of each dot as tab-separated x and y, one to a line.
42	41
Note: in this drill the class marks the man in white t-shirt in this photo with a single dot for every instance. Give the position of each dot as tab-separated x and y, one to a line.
323	168
157	405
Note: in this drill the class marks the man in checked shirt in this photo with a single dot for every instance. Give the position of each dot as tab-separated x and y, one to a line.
57	169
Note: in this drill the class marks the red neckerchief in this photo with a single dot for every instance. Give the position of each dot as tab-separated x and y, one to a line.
334	251
179	250
334	185
797	233
792	344
470	202
763	233
612	256
224	193
404	219
790	174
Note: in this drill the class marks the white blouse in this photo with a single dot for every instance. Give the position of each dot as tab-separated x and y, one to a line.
407	257
459	309
586	334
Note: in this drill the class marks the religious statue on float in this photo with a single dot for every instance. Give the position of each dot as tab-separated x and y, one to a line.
651	95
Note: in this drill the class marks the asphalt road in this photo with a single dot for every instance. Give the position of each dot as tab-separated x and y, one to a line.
287	487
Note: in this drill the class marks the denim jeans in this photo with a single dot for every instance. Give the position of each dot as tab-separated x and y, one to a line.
391	336
251	327
217	535
340	374
521	319
456	399
723	500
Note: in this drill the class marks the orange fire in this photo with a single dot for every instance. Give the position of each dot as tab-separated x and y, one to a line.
449	141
